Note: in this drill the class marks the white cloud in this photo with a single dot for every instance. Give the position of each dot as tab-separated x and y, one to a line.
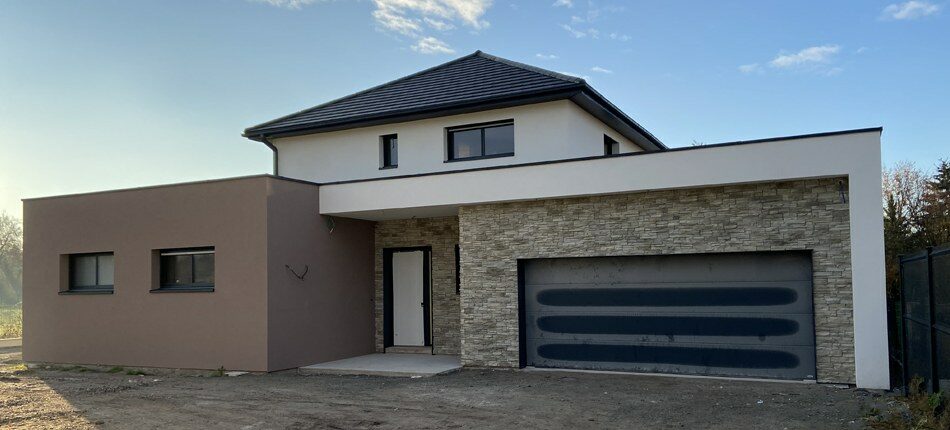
620	37
599	69
563	3
862	50
469	12
431	45
546	56
438	24
808	56
593	33
582	23
750	68
410	17
289	4
574	32
912	9
393	21
576	75
819	60
834	71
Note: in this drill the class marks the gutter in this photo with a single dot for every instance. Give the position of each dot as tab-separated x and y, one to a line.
270	145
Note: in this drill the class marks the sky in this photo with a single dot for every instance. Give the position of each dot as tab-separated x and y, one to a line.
105	94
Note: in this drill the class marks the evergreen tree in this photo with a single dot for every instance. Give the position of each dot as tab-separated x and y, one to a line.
934	223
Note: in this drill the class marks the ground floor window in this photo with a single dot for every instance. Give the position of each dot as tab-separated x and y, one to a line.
191	268
92	272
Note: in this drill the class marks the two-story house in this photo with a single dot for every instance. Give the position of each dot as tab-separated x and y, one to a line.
488	209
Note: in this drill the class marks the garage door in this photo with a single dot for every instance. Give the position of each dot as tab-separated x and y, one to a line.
747	314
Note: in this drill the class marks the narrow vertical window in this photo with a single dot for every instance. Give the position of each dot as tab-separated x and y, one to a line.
458	270
389	151
611	147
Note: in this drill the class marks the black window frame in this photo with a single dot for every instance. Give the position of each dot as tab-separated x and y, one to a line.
91	289
190	287
609	144
386	153
450	144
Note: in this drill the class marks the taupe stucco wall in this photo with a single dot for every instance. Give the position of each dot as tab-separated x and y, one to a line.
133	327
793	215
328	315
442	235
258	318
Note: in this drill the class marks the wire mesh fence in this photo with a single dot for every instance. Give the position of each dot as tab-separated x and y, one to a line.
925	299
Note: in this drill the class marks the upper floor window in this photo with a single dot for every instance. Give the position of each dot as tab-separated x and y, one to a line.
186	269
481	141
388	151
92	272
611	147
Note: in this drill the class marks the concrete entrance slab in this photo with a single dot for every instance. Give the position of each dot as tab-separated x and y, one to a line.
403	365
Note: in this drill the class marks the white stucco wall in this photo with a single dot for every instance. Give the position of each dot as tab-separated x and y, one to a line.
543	132
855	155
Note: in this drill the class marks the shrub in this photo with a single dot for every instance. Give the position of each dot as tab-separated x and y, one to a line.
918	411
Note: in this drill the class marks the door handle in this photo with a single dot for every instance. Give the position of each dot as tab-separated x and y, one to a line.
423	304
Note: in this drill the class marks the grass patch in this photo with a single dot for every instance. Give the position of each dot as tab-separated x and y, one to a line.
13	367
918	411
219	372
116	369
11	322
135	373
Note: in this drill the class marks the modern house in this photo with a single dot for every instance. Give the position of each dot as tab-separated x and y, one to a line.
488	209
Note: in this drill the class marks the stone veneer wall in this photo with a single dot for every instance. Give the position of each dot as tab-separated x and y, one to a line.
794	215
442	234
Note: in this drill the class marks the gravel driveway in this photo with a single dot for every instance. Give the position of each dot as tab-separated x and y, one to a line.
467	399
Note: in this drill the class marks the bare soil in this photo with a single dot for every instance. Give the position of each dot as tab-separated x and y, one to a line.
76	398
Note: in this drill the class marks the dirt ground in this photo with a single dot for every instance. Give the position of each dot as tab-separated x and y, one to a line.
76	398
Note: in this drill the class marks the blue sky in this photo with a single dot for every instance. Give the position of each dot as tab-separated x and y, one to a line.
105	94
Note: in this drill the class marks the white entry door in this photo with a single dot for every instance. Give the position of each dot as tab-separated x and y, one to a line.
408	311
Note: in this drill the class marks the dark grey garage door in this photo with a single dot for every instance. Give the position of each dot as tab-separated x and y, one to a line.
747	314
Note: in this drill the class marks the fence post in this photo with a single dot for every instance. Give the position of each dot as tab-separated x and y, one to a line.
934	363
902	323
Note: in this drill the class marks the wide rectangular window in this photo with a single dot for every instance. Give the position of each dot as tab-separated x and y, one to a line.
92	272
184	269
481	141
611	147
389	151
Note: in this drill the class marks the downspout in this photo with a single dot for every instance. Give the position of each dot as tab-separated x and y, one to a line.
272	148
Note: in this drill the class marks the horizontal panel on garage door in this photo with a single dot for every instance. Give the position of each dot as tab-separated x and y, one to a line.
745	328
747	314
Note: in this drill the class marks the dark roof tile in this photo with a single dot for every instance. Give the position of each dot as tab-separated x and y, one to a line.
466	81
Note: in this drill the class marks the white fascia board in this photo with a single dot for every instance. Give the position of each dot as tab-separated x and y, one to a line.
855	155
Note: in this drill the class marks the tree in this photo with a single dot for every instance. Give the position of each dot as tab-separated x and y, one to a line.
904	186
934	223
11	260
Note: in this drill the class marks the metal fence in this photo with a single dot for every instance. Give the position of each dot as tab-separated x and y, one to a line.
925	321
11	321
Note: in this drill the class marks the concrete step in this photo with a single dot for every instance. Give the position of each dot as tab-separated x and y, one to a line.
399	365
409	350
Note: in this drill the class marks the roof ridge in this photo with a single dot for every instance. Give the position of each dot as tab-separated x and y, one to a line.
349	96
530	68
